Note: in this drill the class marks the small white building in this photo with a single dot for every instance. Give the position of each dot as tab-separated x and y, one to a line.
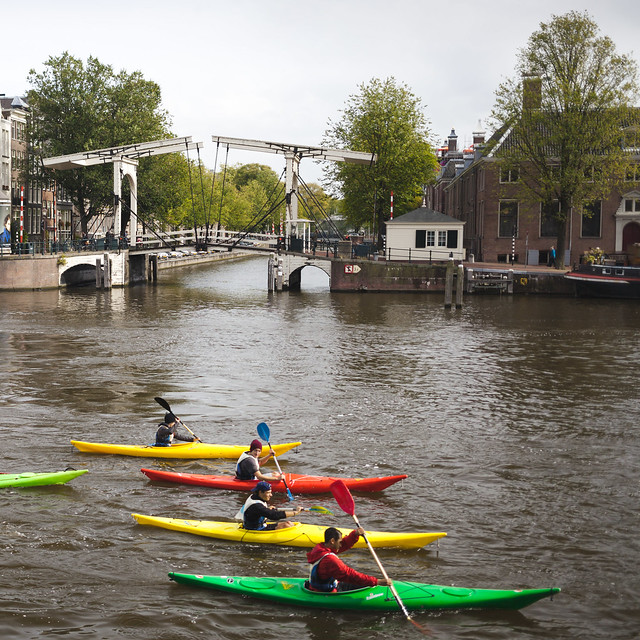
424	234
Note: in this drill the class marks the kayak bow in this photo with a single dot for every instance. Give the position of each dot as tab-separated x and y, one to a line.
29	479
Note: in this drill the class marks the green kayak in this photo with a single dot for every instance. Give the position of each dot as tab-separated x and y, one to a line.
29	479
414	595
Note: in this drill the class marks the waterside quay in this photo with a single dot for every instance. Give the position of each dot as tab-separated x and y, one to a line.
124	268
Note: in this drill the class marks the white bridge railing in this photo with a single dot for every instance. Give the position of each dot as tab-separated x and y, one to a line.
184	237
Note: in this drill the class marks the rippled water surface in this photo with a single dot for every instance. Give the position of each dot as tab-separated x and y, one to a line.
516	418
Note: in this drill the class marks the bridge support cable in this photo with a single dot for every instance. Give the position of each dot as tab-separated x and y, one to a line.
325	216
224	179
259	219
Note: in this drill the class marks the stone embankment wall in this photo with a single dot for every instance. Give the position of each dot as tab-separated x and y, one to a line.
367	275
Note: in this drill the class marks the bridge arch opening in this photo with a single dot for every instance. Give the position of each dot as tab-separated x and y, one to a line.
80	275
309	278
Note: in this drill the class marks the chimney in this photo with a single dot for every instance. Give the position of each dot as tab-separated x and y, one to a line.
478	135
531	92
453	141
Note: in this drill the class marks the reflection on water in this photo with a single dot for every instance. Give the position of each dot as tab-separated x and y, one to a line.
516	419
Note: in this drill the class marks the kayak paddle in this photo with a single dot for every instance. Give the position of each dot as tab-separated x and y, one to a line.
345	501
319	509
265	434
165	405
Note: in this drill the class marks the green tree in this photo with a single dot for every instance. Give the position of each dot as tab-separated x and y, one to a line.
387	119
565	113
80	107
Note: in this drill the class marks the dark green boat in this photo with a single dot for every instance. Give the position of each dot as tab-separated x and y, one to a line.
415	595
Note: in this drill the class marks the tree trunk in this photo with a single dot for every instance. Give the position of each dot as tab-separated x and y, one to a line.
562	234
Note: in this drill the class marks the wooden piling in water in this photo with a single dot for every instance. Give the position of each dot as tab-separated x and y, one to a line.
448	285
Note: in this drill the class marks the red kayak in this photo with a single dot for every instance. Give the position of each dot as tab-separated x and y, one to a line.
297	483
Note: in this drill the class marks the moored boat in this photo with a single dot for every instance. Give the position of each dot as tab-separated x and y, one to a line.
299	535
179	450
34	479
414	595
606	281
297	483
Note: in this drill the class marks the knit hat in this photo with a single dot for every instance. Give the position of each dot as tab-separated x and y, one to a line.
263	485
255	444
169	418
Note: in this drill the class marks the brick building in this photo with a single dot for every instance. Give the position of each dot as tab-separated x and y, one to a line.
501	227
33	209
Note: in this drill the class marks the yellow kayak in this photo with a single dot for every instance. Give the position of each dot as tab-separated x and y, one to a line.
300	535
185	450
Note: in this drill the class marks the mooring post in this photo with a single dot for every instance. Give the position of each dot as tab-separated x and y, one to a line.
98	273
448	285
270	276
459	286
107	271
153	268
280	275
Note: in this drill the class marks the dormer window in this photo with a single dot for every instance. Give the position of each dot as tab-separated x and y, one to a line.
632	205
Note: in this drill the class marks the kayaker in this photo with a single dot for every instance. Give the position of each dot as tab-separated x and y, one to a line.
249	463
256	511
168	432
328	573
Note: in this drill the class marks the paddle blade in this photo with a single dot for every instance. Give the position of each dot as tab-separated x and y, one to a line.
319	509
163	403
264	432
343	497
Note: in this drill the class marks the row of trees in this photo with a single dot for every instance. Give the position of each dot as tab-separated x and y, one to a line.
566	144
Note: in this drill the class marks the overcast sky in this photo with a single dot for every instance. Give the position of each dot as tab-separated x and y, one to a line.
280	69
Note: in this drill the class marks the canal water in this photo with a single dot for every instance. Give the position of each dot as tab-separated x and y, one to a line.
516	418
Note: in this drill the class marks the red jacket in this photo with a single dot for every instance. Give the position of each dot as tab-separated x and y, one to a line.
333	568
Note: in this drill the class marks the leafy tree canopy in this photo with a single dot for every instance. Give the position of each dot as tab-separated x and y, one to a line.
565	112
80	107
387	119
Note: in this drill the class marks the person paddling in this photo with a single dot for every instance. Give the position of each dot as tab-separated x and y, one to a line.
328	573
168	432
256	511
249	463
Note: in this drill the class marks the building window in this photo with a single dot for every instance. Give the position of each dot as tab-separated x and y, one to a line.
442	238
431	238
421	238
509	175
632	205
452	239
548	221
591	220
508	219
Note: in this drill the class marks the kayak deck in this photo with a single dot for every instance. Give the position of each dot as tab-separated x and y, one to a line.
32	479
297	483
180	450
415	595
299	535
